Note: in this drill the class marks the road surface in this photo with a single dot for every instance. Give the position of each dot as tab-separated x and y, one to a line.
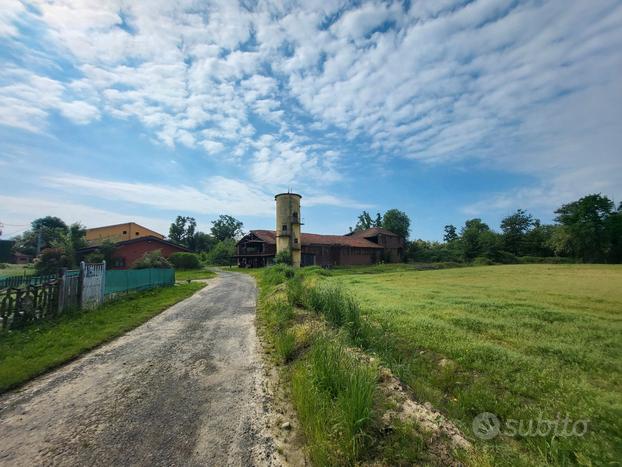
185	388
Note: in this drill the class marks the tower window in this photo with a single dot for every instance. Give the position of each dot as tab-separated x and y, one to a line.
124	232
295	240
284	228
295	215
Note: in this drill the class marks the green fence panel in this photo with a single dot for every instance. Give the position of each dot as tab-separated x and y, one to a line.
123	280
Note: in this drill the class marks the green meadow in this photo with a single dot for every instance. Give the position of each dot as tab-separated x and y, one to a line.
523	342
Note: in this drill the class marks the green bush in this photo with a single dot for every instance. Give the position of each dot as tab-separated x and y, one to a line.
95	257
276	275
51	260
185	261
283	257
152	259
482	261
4	266
222	253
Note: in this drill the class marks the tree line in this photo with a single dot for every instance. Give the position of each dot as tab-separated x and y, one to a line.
216	247
587	230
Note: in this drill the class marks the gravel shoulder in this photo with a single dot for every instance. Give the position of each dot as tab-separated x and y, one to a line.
185	388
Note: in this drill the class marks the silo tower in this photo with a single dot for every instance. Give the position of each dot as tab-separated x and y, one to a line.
288	225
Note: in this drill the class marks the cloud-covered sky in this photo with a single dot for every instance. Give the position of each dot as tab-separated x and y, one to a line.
141	110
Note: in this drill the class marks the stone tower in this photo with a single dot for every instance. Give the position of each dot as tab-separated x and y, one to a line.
288	225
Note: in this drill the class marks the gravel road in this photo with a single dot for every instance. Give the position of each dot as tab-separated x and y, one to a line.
186	388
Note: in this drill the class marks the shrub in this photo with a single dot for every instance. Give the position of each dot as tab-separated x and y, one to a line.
94	257
222	253
283	257
51	260
4	266
482	261
185	261
153	259
276	275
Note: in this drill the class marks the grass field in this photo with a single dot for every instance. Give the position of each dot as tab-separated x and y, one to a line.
17	270
28	352
524	342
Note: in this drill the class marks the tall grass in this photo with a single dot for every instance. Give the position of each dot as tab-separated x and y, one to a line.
335	304
334	394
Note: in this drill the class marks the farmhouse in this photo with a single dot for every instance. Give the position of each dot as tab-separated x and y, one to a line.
118	233
259	247
131	242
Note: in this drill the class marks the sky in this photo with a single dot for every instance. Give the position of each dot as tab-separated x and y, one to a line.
116	111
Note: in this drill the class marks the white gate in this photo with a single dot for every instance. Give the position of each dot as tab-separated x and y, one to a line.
93	278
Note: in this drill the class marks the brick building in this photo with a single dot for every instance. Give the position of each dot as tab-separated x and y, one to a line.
258	248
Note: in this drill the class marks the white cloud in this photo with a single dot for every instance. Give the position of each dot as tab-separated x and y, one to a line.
520	86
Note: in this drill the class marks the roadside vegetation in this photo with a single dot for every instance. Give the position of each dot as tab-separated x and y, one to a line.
524	342
311	328
29	352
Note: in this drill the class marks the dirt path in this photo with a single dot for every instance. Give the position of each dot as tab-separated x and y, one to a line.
186	388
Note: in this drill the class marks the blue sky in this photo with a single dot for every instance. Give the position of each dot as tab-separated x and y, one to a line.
115	111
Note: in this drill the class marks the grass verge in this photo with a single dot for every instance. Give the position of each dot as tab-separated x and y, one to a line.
311	327
29	352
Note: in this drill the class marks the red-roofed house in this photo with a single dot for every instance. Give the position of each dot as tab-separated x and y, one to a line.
258	248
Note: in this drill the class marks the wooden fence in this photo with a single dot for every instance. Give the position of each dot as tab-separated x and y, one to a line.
33	298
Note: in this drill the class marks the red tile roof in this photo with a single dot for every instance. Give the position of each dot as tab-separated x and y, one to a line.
372	232
269	236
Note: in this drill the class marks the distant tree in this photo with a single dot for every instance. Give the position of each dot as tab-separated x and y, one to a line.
222	253
585	224
538	241
471	238
515	228
44	231
203	242
48	222
450	234
378	221
226	227
182	231
364	222
614	230
397	222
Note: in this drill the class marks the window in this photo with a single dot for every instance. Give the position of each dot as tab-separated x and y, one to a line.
296	240
118	262
125	232
284	228
137	234
295	215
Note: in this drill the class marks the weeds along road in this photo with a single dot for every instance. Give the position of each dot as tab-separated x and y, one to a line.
185	388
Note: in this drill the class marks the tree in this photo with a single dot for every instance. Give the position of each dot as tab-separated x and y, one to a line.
51	260
614	229
364	222
222	253
43	233
378	221
397	222
226	227
182	231
471	238
203	242
450	234
152	259
515	228
585	223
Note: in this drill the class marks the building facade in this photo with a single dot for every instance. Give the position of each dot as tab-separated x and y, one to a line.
119	233
258	248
